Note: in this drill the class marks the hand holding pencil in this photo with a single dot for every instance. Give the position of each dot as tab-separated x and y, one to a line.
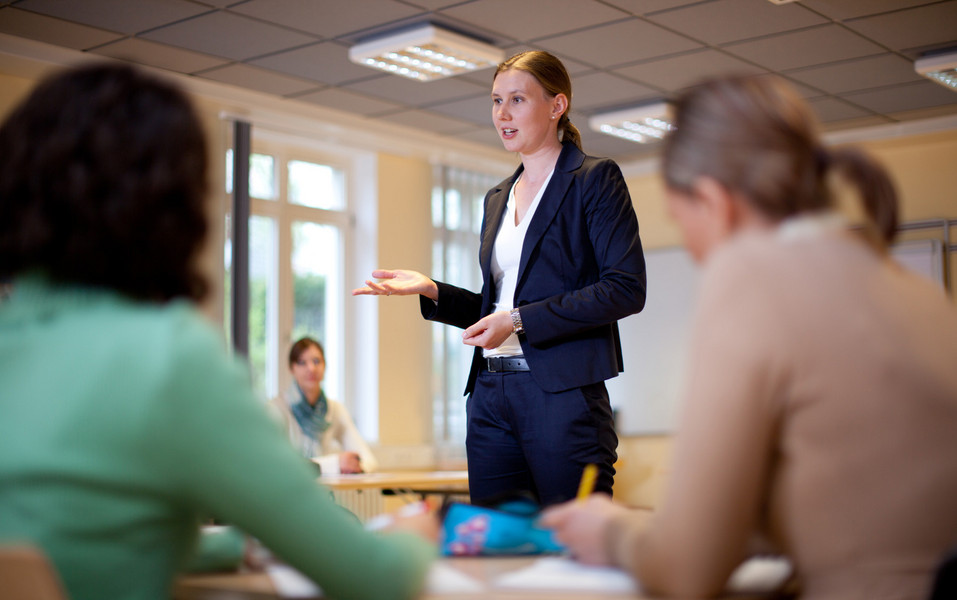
582	523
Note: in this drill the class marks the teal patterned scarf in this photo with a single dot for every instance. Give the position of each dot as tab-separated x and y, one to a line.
312	419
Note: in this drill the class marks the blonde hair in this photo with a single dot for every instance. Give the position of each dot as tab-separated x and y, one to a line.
755	135
552	76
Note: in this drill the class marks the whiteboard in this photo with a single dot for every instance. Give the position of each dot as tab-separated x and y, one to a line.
922	256
655	341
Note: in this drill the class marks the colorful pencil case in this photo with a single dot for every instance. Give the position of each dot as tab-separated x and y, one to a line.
508	528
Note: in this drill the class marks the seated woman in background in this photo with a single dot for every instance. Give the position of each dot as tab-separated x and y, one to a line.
821	413
123	421
321	429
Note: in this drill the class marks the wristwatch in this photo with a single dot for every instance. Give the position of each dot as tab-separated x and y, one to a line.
517	327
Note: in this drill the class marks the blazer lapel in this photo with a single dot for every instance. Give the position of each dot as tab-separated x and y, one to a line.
494	212
568	162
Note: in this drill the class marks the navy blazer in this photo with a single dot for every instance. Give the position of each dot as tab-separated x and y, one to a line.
582	269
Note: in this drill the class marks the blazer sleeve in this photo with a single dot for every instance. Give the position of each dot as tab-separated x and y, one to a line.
456	306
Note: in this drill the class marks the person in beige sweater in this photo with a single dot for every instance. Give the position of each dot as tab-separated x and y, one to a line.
820	416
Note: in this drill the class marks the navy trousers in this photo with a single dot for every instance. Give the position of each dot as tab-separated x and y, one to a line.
523	439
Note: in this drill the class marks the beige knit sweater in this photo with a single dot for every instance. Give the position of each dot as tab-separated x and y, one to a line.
821	413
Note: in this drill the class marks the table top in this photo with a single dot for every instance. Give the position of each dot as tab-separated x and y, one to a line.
485	573
412	480
258	586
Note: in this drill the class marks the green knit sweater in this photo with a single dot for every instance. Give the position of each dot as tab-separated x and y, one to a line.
122	424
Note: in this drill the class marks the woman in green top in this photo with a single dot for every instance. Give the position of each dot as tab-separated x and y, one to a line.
122	420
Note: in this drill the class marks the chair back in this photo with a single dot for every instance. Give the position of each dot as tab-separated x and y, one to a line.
28	575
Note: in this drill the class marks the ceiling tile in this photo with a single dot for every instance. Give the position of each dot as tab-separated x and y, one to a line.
228	35
425	120
849	9
829	108
914	96
350	101
477	110
326	18
913	28
619	43
327	62
416	93
644	7
218	3
159	55
859	74
726	21
526	21
617	51
675	73
259	79
117	15
828	43
433	4
52	31
482	135
856	123
944	110
601	144
601	90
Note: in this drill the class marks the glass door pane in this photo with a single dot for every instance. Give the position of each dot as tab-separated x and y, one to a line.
263	304
315	185
317	264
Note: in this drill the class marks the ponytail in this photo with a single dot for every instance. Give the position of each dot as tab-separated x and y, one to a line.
878	196
567	132
757	136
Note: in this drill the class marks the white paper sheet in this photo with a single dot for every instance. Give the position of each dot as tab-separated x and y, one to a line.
441	579
563	573
757	575
290	583
760	574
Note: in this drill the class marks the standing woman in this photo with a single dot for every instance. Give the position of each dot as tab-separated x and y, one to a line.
320	428
822	413
561	264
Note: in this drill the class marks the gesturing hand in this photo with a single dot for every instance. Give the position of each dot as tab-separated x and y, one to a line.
400	282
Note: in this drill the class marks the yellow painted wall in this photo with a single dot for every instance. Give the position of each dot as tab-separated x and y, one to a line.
12	90
405	236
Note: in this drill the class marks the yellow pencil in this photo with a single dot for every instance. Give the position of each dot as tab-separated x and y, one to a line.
588	482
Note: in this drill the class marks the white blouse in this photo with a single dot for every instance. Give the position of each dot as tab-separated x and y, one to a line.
506	256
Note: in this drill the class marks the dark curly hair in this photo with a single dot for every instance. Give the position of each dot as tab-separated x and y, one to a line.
103	183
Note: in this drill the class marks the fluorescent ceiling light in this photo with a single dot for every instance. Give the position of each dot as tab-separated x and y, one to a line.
426	53
941	68
645	124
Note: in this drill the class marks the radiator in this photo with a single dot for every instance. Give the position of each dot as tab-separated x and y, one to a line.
364	504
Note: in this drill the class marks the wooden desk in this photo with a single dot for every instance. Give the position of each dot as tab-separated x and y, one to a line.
362	493
257	586
453	481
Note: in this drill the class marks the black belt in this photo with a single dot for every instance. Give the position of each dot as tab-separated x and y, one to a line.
497	364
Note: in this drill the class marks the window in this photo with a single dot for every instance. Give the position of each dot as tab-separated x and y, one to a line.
299	229
457	206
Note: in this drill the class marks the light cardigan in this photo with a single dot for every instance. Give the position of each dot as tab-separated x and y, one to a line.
820	412
341	434
123	423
